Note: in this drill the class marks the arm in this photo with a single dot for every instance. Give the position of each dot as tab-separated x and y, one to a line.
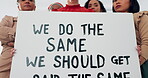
142	29
7	29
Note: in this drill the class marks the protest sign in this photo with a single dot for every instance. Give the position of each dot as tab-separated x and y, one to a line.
75	45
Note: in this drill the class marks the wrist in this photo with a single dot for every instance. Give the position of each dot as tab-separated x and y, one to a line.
142	59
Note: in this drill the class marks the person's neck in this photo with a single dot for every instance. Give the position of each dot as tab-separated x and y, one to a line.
70	3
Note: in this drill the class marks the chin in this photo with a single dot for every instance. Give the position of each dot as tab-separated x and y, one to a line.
119	10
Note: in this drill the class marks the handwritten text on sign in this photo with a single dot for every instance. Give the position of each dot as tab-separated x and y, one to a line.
70	48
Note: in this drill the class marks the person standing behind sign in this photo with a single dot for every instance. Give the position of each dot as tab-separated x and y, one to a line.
141	27
7	36
55	6
74	6
96	5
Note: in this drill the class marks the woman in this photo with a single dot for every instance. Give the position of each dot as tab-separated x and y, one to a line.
96	5
131	6
7	36
141	27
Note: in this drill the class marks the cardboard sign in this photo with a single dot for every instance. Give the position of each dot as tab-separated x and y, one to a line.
75	45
